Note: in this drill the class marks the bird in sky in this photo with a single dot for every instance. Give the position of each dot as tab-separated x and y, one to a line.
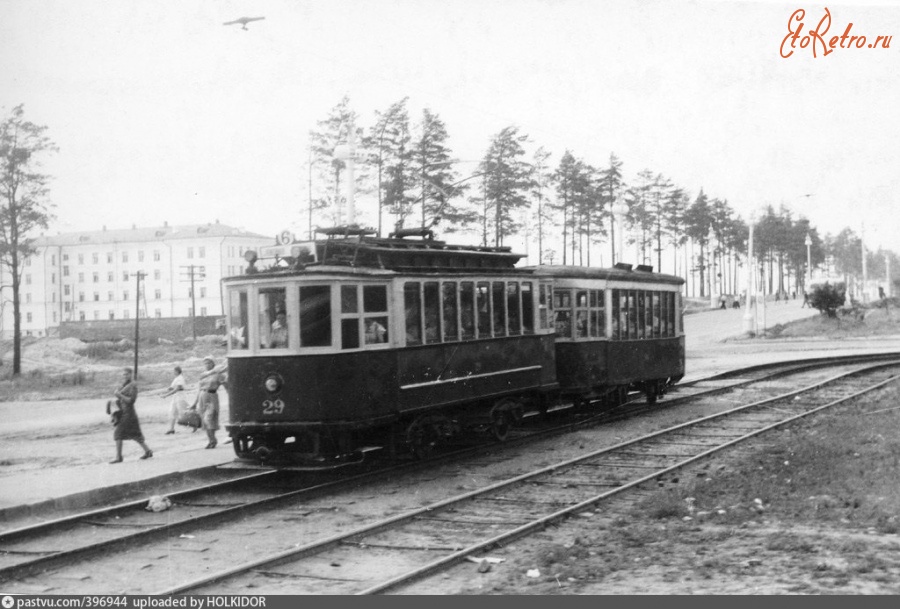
243	21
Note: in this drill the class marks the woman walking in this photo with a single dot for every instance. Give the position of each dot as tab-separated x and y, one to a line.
207	400
128	427
178	403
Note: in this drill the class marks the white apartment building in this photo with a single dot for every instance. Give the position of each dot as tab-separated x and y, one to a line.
89	276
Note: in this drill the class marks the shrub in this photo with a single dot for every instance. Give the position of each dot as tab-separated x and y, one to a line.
828	298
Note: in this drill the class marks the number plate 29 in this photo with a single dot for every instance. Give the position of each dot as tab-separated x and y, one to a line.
273	406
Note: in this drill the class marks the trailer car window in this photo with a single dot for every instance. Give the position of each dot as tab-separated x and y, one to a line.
483	301
498	293
467	309
513	302
450	308
563	301
527	308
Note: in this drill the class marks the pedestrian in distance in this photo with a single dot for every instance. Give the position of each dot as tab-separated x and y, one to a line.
179	404
207	401
128	427
805	300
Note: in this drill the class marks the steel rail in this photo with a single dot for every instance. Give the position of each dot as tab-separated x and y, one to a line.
333	540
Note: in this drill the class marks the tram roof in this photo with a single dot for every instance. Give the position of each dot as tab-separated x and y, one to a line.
609	274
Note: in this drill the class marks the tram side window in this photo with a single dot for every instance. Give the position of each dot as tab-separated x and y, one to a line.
632	314
581	314
483	301
545	300
238	315
315	316
513	302
641	298
657	313
273	323
562	302
670	313
498	293
467	309
527	308
432	312
412	302
598	314
375	317
349	317
450	308
615	329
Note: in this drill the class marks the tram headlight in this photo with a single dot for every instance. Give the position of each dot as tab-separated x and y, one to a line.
273	383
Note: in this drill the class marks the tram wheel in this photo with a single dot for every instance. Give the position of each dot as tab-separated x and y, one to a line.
421	439
501	424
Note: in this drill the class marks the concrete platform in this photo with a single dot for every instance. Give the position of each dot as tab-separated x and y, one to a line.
76	437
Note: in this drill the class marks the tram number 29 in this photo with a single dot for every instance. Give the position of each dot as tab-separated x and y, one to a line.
273	406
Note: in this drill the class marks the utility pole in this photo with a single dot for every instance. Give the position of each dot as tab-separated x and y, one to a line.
191	272
137	317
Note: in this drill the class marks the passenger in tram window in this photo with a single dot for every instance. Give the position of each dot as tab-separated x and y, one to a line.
564	323
279	336
581	324
375	332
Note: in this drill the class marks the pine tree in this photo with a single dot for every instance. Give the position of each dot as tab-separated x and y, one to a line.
391	155
508	181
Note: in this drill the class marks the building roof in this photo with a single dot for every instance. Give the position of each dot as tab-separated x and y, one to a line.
141	234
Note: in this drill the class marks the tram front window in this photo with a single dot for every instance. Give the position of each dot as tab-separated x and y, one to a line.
237	319
273	321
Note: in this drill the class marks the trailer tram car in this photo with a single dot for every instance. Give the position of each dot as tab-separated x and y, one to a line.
355	342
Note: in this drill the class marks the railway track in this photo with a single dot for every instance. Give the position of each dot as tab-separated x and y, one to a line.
36	554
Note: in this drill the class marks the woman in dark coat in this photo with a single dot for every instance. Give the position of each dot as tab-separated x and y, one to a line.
128	427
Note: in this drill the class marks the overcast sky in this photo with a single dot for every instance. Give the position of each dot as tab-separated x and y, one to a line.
162	113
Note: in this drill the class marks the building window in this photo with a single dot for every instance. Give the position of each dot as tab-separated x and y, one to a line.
54	297
112	314
202	311
81	258
65	271
126	314
96	277
110	277
67	289
52	277
96	296
190	312
201	252
27	279
96	258
80	296
53	260
54	316
202	292
81	316
28	262
65	257
67	306
141	256
109	257
80	277
124	256
110	295
157	294
28	297
155	255
125	295
156	274
28	317
190	252
96	314
158	313
124	275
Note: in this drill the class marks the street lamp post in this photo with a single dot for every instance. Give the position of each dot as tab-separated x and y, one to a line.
619	209
346	153
749	317
808	243
712	270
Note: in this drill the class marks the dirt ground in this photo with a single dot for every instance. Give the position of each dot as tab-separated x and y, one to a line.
809	510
